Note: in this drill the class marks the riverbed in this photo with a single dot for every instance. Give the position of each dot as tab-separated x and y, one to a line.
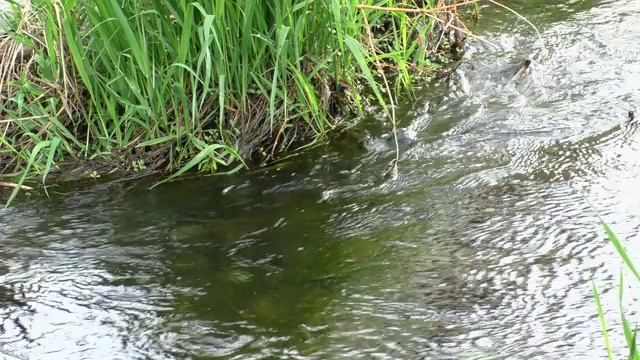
482	247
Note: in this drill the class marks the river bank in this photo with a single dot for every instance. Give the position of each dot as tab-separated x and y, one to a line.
202	87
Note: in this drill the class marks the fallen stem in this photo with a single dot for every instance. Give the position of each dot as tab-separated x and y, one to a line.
13	185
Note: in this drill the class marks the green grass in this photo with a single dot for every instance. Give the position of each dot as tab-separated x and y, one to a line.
181	85
629	332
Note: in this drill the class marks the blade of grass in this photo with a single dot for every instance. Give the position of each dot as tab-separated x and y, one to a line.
603	323
34	153
618	245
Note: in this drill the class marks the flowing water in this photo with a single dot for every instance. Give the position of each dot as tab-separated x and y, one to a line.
482	247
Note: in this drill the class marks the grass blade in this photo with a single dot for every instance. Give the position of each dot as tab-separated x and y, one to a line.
623	253
603	323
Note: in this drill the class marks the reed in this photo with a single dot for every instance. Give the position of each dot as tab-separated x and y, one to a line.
629	332
92	88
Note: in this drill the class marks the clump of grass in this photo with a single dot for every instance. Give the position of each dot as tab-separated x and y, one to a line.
630	334
175	85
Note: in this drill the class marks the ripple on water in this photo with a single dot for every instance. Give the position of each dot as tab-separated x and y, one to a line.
515	258
484	246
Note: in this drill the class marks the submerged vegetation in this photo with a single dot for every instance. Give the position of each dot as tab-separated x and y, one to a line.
121	87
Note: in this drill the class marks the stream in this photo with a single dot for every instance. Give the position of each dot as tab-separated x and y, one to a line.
482	247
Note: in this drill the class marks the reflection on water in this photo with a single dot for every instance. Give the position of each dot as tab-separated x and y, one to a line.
482	248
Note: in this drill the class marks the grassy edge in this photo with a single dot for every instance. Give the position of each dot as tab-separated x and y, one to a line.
122	90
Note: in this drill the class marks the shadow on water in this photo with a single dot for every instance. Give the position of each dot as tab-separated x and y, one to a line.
482	248
185	270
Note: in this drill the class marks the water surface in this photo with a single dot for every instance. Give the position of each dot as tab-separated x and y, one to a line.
483	247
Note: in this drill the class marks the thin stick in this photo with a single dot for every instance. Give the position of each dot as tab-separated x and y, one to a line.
516	14
544	49
442	33
13	185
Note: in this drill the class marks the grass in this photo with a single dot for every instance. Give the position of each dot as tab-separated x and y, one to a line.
94	88
629	332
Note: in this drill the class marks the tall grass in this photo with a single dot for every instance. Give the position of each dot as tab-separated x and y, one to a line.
170	85
629	332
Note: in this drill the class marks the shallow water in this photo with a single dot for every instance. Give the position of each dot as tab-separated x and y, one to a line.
482	248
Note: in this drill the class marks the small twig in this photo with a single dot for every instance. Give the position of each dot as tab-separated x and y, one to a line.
13	185
516	14
451	18
544	49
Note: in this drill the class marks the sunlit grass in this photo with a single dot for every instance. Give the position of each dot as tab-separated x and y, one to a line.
629	331
180	85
